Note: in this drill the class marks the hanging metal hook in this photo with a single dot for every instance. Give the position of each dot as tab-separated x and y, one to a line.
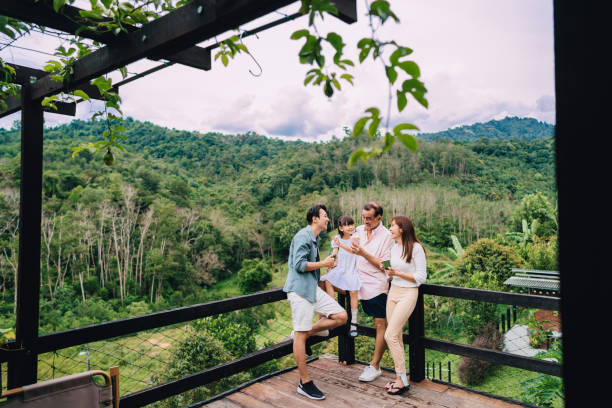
252	57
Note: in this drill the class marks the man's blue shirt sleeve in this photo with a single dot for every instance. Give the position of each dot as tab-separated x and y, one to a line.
300	256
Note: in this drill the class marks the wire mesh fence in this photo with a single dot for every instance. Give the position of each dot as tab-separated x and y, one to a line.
515	330
156	356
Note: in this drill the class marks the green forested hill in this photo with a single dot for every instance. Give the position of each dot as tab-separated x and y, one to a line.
181	210
509	128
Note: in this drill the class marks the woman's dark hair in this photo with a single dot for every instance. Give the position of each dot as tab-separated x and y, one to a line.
343	221
314	212
408	235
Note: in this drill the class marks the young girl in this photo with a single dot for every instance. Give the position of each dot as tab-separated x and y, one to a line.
408	270
344	277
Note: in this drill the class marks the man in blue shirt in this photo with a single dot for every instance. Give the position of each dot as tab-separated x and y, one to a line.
306	297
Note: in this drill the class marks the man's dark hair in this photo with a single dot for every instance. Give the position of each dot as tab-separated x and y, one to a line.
314	212
378	210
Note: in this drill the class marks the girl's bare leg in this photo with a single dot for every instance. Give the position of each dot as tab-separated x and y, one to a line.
354	299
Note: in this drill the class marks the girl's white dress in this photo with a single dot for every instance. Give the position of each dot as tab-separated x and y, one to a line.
344	276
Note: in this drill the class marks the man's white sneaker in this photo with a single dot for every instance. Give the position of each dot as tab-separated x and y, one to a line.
370	374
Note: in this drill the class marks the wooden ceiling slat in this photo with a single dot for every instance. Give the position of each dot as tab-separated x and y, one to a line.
42	13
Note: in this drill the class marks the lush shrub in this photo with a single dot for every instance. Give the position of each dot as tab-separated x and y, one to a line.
472	371
138	308
254	275
485	264
237	338
536	207
197	351
541	254
544	390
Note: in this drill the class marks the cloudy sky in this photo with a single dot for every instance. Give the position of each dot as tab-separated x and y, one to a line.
479	59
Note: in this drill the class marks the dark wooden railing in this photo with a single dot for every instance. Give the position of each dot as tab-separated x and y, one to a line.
415	338
418	342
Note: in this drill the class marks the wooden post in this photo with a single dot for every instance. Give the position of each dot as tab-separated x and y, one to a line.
346	343
28	272
416	351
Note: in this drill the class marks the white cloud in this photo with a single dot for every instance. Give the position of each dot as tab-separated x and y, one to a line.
480	59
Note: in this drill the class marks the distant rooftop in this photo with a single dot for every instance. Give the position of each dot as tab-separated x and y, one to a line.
534	279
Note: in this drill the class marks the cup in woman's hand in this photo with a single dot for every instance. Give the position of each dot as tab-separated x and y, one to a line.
355	239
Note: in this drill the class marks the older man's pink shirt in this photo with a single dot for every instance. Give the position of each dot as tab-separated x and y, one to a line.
373	280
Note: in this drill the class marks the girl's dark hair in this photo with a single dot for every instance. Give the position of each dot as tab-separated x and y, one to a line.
408	235
344	220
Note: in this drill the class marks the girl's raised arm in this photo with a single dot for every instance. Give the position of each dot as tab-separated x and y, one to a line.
341	245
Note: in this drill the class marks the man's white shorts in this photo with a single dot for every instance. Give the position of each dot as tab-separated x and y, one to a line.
302	310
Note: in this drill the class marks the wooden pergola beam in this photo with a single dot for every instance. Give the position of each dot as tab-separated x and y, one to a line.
25	75
63	108
68	20
190	24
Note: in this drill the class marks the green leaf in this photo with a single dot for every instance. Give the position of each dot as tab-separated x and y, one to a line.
327	89
382	9
388	141
420	98
373	127
320	59
374	111
308	79
411	68
365	44
391	73
356	155
399	53
359	125
106	3
336	83
81	94
401	100
336	41
407	139
299	34
91	14
411	85
123	71
58	4
348	78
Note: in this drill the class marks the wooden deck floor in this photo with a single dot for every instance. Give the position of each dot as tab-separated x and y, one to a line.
342	389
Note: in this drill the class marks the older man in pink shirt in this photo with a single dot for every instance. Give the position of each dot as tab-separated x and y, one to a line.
373	248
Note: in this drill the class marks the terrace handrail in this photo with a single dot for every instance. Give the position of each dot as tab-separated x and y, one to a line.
415	339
